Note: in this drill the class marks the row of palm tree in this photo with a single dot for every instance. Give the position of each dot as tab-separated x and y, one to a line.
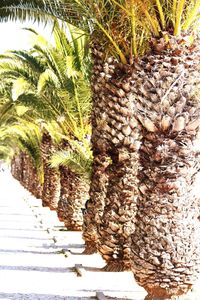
145	130
47	110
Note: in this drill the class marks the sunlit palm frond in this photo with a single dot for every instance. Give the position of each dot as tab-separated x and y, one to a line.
47	78
123	28
65	81
26	10
6	152
27	137
39	108
28	59
79	160
20	86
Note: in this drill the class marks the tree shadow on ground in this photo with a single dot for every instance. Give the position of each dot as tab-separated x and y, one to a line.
33	296
14	251
36	269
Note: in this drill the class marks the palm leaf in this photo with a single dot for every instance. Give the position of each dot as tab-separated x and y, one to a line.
75	161
122	23
27	137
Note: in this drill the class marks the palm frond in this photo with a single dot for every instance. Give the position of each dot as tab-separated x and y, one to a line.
123	28
64	80
27	58
26	10
75	161
192	15
20	86
46	78
27	137
6	152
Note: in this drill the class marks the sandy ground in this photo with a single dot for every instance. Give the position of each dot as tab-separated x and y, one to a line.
38	256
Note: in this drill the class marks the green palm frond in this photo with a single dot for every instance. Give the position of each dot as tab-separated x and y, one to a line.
122	28
21	110
53	129
7	112
73	161
47	78
25	136
14	69
6	151
46	83
78	157
40	109
73	43
20	86
27	58
23	76
12	10
71	83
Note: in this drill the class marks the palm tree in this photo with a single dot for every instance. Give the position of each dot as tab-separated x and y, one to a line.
51	185
145	108
40	81
22	138
75	166
72	98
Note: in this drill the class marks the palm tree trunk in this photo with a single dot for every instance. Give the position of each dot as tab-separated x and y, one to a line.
119	212
19	168
116	135
76	202
95	205
24	170
16	166
64	192
166	244
27	172
51	185
35	186
73	195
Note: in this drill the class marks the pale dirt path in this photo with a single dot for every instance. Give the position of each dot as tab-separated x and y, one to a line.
37	257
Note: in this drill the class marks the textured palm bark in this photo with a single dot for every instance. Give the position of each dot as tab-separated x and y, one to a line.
116	135
51	185
189	296
13	165
18	170
16	166
24	170
95	206
64	192
27	177
79	193
166	244
35	186
73	195
119	213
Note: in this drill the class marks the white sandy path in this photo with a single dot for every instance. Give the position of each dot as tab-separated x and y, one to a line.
32	265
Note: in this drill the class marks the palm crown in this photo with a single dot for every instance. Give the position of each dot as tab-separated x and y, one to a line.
127	25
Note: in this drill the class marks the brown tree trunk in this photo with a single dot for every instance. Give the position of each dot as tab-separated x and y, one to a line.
115	142
16	166
166	244
64	192
73	195
35	186
24	169
51	185
98	189
119	212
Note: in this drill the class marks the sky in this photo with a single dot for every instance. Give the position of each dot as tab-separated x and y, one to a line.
13	37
